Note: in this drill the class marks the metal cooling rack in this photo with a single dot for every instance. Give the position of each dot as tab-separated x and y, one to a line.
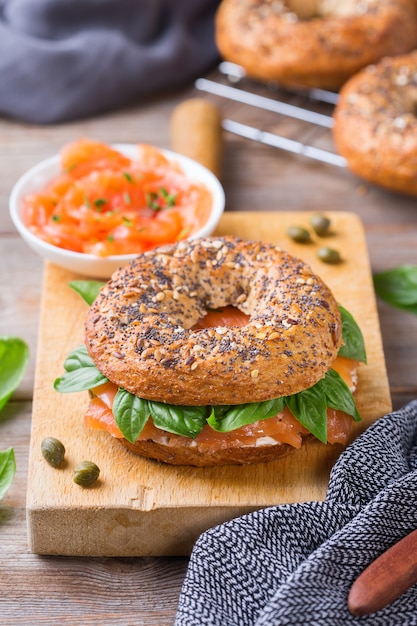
238	88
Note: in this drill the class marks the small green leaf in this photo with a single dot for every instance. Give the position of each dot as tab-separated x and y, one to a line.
398	287
339	396
128	177
14	356
242	414
99	203
7	470
309	407
87	289
131	414
80	373
179	420
354	346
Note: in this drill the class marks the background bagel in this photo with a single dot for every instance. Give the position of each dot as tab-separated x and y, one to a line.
313	43
375	124
139	330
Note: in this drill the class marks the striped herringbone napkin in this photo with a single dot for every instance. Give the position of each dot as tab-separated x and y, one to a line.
294	564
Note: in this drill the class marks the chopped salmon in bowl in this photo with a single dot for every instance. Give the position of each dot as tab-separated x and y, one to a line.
94	206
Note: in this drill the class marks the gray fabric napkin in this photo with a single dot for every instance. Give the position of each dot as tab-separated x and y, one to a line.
294	564
66	59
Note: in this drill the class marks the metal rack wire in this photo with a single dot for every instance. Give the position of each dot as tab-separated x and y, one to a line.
233	90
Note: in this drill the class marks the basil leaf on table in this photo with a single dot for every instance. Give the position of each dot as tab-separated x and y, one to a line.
242	414
398	287
80	373
7	470
87	289
14	356
354	346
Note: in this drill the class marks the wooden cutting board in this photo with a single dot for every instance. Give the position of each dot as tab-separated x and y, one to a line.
140	507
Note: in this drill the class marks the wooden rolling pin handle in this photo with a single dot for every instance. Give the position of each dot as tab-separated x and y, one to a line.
386	579
196	132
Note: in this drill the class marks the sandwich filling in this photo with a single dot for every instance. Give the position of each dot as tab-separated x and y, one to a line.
326	410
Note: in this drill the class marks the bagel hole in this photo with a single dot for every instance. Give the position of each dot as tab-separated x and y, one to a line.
311	9
223	316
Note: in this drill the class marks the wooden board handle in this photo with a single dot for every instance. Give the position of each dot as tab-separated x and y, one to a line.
386	579
196	132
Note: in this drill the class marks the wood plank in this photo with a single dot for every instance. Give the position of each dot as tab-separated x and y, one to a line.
140	507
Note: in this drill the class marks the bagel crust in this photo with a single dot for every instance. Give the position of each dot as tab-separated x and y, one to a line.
139	330
375	123
313	43
191	455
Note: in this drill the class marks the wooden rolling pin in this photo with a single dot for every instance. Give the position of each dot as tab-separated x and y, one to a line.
196	132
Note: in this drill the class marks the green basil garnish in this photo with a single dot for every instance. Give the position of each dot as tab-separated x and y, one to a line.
398	287
80	373
225	419
309	408
14	356
87	289
339	396
7	470
354	345
131	414
179	420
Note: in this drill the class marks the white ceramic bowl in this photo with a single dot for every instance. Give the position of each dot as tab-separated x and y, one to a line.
89	264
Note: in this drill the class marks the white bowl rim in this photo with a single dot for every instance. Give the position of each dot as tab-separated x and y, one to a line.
127	148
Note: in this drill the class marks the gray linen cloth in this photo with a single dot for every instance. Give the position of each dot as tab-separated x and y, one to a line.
294	564
66	59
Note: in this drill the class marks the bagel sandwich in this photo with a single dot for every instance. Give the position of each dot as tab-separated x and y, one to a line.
216	351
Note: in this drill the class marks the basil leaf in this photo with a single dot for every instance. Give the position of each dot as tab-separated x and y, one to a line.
80	373
7	470
354	347
131	414
14	356
309	407
339	396
179	420
87	289
243	414
398	287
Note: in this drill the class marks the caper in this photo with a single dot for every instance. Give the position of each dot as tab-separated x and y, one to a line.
320	224
53	451
86	473
299	234
328	255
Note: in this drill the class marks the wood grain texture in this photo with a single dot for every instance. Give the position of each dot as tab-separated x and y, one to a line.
140	507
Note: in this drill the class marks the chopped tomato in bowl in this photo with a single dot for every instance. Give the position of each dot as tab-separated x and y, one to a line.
94	206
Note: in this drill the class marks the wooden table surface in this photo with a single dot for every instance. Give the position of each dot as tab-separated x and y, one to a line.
124	591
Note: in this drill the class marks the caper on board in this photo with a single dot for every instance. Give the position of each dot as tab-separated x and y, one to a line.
298	234
329	255
53	451
86	473
320	224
